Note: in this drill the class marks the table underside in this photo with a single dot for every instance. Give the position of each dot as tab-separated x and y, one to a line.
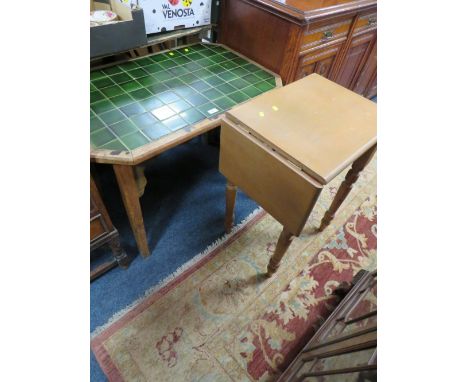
146	99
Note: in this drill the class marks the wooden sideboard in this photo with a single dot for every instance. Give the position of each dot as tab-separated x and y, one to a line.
294	38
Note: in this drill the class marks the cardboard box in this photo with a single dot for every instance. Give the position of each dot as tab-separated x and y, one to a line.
167	15
126	34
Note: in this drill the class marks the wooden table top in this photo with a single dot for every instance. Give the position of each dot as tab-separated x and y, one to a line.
309	5
305	10
145	106
314	123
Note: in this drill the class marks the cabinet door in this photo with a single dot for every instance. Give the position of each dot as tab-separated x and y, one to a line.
366	83
355	59
320	61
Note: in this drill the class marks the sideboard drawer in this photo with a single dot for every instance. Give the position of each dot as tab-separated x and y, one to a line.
324	34
366	22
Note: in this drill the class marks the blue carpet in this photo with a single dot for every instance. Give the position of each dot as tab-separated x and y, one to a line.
183	207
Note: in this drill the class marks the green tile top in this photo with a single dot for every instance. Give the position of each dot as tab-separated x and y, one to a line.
145	99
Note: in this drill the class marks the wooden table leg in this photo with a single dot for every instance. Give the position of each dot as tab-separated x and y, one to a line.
231	191
345	188
282	246
129	191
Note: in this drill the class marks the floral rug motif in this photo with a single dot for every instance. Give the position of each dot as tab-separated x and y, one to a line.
222	320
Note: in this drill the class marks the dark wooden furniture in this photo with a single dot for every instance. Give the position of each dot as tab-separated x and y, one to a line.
334	38
102	231
345	346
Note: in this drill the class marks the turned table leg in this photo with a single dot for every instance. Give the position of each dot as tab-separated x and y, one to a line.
231	191
129	191
282	246
119	253
345	187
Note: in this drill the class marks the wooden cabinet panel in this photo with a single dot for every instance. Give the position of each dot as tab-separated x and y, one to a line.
366	83
320	62
366	22
333	30
259	35
100	222
371	90
93	208
355	59
102	231
97	228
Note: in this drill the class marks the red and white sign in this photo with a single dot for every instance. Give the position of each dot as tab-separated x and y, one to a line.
166	15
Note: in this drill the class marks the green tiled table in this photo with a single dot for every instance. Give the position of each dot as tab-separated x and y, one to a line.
145	106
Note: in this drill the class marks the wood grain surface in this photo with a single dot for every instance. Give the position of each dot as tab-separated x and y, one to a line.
284	191
314	123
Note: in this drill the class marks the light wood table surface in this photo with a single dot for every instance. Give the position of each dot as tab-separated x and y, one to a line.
282	147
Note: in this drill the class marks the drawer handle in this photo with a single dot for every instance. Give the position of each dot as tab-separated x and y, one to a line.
327	35
372	22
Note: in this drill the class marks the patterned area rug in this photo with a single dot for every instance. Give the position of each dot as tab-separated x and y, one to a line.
222	320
